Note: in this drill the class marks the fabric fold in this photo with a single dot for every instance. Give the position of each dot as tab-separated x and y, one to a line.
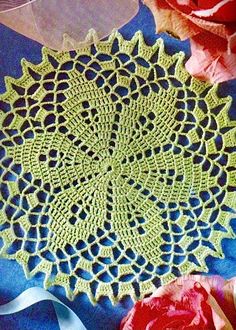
67	319
64	25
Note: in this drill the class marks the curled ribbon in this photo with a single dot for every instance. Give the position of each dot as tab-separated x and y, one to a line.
67	319
65	24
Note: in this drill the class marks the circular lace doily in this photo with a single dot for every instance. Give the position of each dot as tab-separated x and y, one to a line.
117	169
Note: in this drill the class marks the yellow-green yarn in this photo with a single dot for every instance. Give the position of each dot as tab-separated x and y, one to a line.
117	169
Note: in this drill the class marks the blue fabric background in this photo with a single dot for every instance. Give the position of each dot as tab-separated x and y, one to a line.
104	316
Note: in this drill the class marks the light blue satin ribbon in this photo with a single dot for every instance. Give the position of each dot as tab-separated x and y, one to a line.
67	319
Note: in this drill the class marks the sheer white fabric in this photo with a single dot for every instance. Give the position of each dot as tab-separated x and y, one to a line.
65	24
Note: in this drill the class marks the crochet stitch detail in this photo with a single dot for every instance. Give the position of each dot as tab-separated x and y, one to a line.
117	169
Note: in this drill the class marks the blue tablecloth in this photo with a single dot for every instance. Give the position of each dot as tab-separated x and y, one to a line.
103	316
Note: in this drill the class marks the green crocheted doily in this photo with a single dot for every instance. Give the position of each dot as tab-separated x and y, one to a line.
117	169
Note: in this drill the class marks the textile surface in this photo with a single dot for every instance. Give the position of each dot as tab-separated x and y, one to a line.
103	316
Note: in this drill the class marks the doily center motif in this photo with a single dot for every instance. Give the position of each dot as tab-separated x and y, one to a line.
117	169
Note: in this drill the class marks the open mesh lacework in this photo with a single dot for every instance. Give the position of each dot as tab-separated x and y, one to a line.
117	169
